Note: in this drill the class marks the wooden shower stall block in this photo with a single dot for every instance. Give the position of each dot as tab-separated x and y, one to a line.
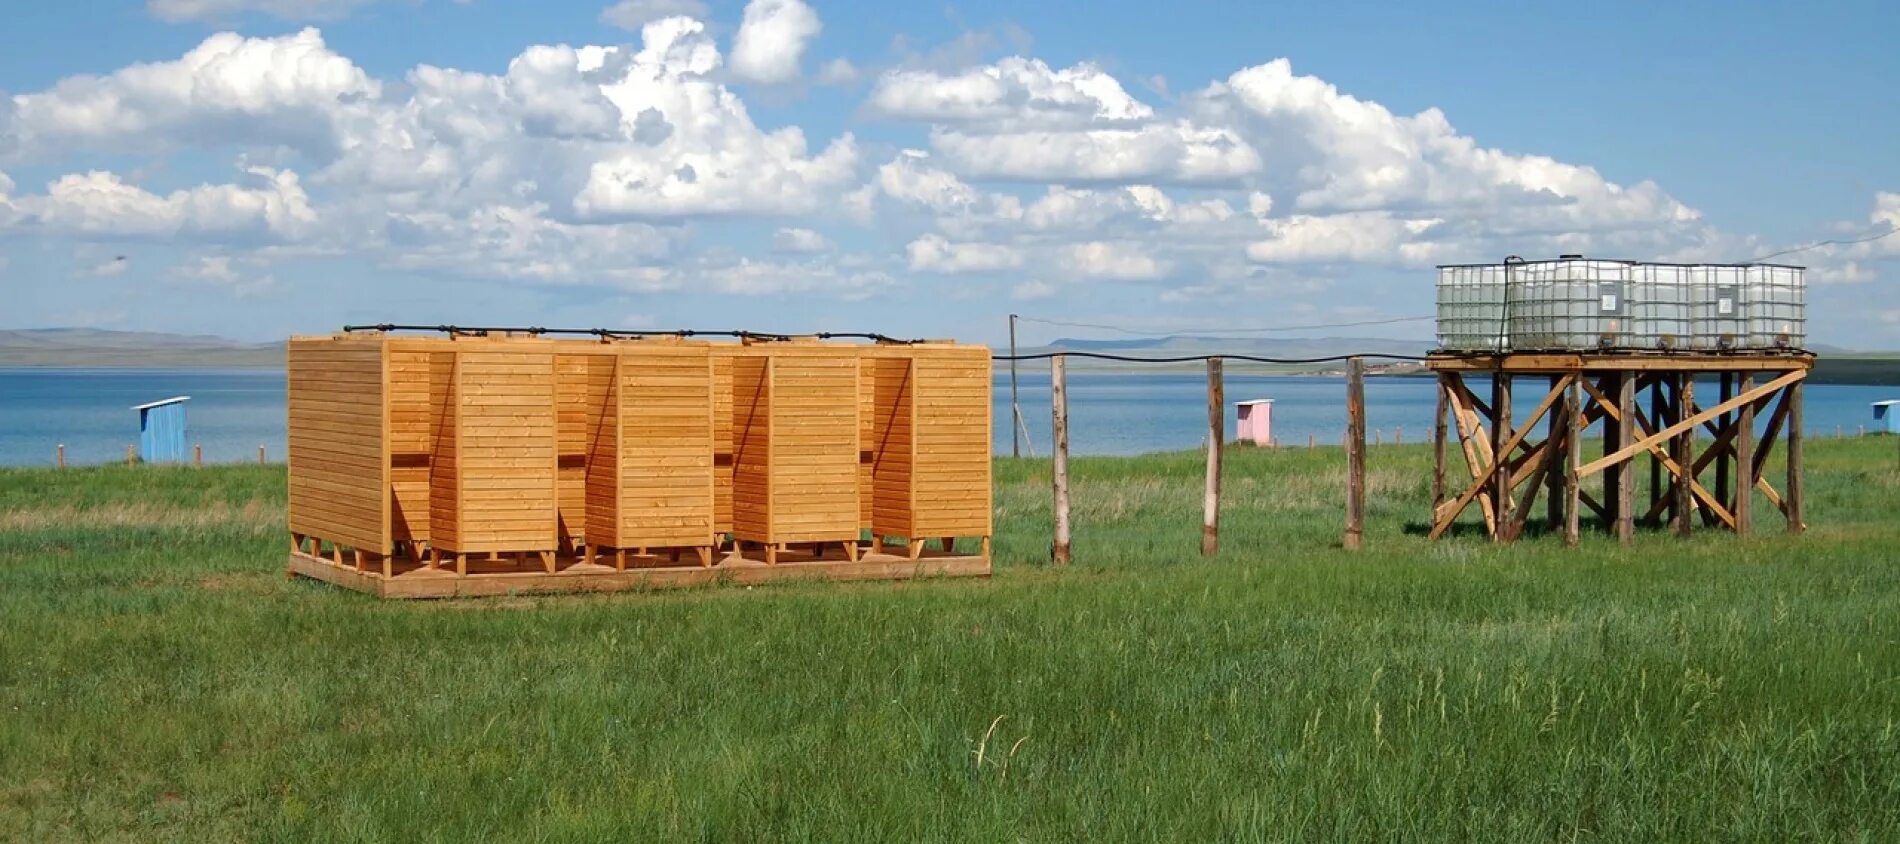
931	437
796	444
493	484
650	448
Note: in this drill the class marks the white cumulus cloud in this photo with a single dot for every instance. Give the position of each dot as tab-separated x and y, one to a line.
934	254
772	39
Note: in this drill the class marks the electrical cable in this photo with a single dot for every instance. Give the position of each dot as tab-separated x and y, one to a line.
1891	231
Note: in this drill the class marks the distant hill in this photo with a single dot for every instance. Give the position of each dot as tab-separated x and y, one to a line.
91	347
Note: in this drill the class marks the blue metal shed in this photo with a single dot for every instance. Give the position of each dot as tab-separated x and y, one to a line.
1889	412
162	430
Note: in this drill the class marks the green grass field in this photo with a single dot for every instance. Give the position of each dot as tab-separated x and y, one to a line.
161	679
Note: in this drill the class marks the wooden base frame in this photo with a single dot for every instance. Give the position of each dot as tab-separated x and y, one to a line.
476	575
913	547
1714	482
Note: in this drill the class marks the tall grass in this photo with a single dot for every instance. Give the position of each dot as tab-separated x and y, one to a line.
160	678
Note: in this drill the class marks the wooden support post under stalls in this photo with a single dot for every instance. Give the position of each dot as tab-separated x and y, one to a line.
1625	472
1743	504
1216	438
1793	495
1573	460
1683	510
1438	445
1059	423
1355	454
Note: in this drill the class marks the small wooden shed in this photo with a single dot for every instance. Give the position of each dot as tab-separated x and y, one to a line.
650	444
931	432
796	449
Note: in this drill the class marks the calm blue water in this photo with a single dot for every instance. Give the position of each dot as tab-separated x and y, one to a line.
232	412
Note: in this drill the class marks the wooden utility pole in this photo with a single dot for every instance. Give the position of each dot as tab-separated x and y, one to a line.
260	455
197	455
1015	409
1059	422
1216	439
59	456
1355	454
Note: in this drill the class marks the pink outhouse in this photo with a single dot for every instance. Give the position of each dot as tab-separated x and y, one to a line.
1256	421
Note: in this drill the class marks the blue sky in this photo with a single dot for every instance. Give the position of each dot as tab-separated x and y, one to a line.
256	168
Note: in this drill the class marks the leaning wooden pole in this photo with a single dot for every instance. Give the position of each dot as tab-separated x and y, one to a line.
1626	472
1743	505
1355	454
1438	445
1793	494
1216	437
1573	460
1059	423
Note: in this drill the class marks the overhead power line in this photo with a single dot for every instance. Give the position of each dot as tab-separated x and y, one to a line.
1252	330
1891	231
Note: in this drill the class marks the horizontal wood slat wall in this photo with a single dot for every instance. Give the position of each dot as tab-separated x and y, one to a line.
931	440
796	444
651	445
514	444
338	433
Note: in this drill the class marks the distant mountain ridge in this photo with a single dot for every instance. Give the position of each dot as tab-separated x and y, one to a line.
92	347
1276	347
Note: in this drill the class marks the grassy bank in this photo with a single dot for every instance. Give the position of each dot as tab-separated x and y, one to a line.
160	678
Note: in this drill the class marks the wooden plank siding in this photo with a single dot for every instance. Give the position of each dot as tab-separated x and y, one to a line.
932	429
649	471
337	431
796	431
495	485
722	357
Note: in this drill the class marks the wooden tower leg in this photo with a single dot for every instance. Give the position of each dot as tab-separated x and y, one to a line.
1501	434
1657	406
1793	494
1723	427
1556	429
1573	460
1438	445
1743	504
1682	507
1626	471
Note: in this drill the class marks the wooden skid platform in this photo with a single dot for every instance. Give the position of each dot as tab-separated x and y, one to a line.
502	577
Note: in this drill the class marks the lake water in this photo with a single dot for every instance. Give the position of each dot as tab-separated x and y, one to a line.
232	412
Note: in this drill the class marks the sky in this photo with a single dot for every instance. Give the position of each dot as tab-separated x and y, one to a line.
261	168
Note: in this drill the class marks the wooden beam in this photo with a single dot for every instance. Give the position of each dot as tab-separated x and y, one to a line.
1743	505
1556	425
1438	444
1216	439
1465	419
1795	524
1501	423
1573	457
1689	422
1491	473
1059	423
1355	454
1625	476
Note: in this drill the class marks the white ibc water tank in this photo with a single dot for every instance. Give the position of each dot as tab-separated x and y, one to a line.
1775	298
1571	304
1717	319
1659	307
1471	308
